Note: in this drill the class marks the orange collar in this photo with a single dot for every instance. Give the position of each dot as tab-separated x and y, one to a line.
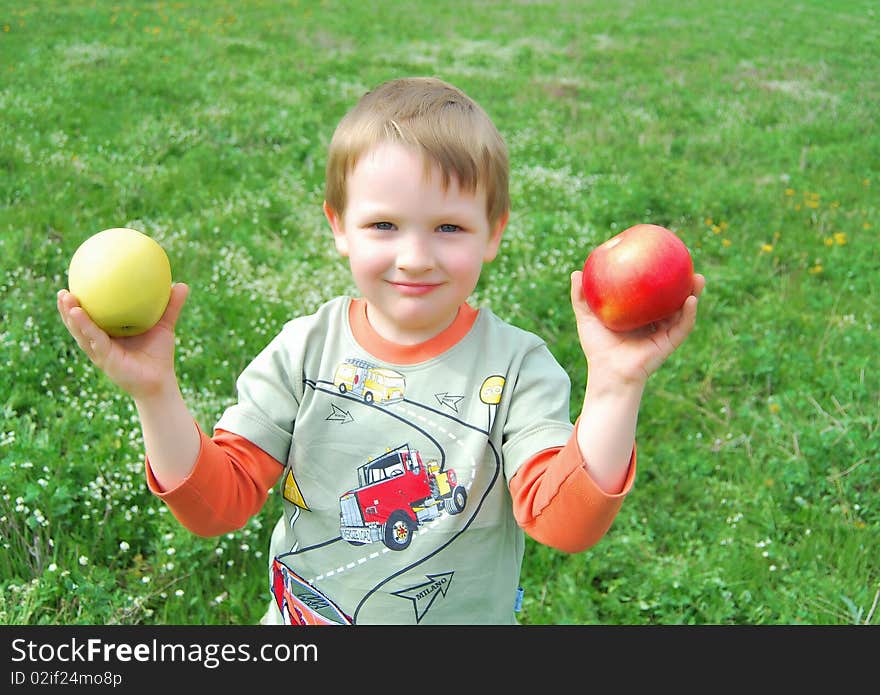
388	351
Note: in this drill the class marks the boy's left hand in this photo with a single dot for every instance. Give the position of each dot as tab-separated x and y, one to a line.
635	355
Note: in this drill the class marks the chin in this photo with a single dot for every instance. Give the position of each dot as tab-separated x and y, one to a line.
412	320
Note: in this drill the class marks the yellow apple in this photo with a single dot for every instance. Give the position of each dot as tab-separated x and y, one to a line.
122	279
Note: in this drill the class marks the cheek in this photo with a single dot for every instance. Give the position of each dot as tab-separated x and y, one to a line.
365	263
466	263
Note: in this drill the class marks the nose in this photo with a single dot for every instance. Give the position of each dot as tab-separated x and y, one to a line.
414	252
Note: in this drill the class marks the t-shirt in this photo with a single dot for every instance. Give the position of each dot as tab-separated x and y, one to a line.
396	465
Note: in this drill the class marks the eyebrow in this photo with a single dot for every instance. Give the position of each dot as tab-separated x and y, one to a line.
376	212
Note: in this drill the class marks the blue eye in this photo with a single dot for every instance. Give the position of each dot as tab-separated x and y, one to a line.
384	226
448	227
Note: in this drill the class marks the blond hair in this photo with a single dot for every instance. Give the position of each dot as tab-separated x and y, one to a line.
452	131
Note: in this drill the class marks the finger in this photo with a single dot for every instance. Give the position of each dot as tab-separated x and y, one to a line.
578	301
59	304
682	328
65	302
91	339
179	293
73	321
674	318
576	284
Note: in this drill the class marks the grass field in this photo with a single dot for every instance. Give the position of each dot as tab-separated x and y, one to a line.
749	128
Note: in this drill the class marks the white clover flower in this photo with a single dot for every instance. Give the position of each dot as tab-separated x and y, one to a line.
124	546
83	560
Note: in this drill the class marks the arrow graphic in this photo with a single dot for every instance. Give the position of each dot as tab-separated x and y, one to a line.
423	595
450	402
339	415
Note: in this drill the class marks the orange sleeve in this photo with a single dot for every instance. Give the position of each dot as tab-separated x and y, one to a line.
228	484
558	504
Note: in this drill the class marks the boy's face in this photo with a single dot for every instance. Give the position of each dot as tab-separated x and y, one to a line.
415	250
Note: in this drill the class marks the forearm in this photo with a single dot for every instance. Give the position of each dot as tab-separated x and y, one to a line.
619	366
607	429
171	437
228	484
558	503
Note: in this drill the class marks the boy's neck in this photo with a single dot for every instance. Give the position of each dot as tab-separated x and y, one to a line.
390	351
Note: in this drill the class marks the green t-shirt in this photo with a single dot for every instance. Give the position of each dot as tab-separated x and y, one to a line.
395	494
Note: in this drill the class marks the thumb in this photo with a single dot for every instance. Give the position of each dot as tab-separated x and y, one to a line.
578	301
179	293
576	286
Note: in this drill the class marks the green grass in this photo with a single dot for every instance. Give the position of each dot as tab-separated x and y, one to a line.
749	128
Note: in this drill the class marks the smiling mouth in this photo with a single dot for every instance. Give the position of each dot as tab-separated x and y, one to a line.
414	288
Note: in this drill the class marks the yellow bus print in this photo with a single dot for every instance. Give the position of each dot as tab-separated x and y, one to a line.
368	381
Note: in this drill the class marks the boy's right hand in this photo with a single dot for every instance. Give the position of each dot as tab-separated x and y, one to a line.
141	365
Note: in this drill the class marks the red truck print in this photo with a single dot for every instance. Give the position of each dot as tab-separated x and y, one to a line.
396	493
301	603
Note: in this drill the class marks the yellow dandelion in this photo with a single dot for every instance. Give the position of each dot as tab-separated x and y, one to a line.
866	183
723	225
828	241
789	191
774	408
840	238
811	203
708	221
766	248
866	225
816	269
725	243
716	229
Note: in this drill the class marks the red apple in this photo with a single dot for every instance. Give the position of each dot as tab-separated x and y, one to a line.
641	275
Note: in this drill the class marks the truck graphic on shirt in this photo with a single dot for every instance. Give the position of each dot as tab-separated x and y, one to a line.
369	381
397	492
300	602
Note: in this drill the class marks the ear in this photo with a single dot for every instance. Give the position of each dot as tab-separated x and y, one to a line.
338	230
495	235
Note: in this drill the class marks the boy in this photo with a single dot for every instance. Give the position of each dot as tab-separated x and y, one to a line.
414	437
